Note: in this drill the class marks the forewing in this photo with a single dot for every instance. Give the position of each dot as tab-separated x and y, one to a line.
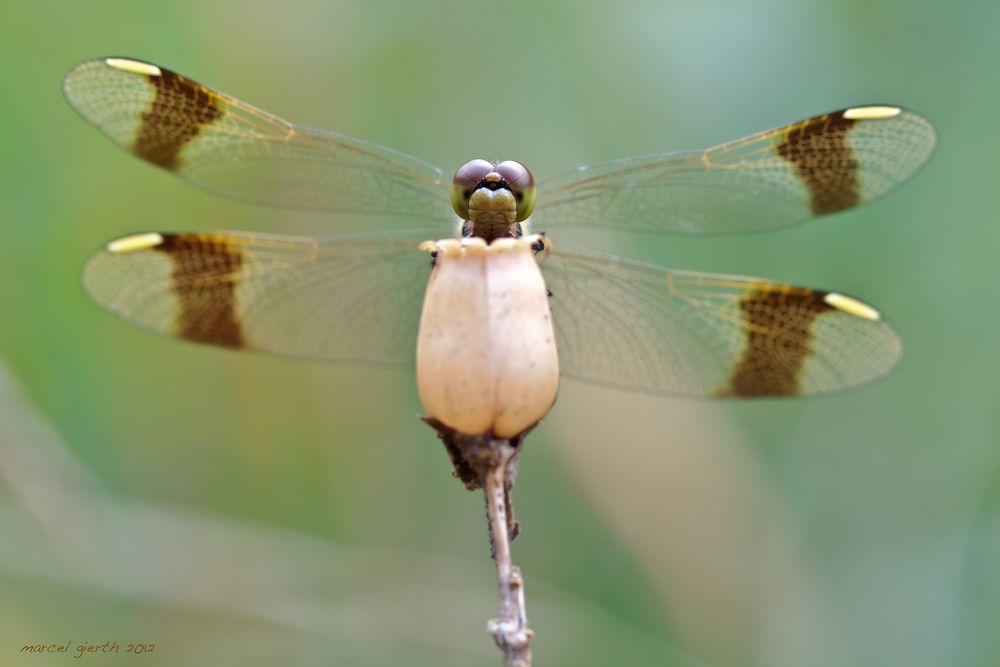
229	147
640	327
352	298
769	180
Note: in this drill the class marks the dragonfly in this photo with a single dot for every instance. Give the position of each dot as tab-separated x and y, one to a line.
356	297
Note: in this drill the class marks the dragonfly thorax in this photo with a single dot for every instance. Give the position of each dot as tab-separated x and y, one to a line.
493	198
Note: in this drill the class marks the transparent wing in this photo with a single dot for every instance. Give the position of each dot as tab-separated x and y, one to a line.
229	147
769	180
351	298
357	298
636	326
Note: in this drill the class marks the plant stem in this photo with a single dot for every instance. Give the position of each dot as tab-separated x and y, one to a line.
488	463
510	631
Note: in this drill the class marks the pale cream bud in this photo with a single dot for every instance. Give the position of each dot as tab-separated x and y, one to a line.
486	352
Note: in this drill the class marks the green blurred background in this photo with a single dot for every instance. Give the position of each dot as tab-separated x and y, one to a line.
243	510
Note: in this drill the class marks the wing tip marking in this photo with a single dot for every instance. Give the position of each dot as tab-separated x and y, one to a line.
135	242
133	66
852	306
874	112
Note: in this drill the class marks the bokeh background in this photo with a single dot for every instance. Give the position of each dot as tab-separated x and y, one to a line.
243	510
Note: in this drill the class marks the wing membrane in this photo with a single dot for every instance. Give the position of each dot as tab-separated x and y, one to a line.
231	148
636	326
351	298
357	298
618	322
769	180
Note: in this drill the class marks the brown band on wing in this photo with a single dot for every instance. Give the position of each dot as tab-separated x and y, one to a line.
178	112
819	151
204	280
779	338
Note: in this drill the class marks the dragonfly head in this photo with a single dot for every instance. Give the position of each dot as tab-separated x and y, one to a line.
493	196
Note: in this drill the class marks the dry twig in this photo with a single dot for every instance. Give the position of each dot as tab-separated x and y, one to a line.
488	463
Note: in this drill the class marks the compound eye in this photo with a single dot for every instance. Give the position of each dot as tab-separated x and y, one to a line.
465	182
521	183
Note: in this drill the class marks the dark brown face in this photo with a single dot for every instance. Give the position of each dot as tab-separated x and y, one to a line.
493	193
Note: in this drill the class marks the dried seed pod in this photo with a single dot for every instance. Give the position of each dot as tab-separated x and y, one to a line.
486	353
